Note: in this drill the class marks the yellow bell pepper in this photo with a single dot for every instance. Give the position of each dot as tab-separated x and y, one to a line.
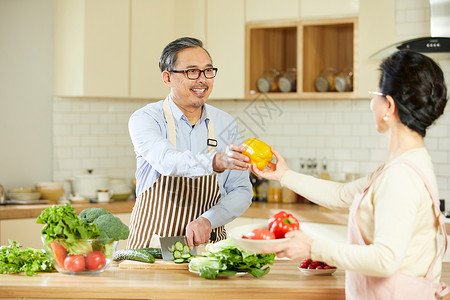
258	152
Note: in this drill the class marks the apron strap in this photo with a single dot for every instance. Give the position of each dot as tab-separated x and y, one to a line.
170	122
434	198
437	212
172	132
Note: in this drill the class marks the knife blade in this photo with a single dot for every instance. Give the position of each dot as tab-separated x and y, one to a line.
169	241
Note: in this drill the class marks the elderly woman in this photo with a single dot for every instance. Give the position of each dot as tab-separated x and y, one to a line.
395	249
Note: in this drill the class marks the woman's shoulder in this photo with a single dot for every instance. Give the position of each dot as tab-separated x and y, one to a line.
411	170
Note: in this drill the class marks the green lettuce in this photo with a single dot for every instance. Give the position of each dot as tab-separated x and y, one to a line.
226	258
62	223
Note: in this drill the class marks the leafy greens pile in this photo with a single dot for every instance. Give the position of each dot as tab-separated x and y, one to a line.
14	259
226	258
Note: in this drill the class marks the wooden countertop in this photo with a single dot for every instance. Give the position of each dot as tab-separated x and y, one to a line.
9	211
284	281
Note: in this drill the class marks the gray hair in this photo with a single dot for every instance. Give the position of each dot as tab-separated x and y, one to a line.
168	58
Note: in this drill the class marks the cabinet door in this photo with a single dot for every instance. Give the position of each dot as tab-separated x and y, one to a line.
91	48
24	231
327	8
270	10
376	30
106	43
151	30
226	44
154	24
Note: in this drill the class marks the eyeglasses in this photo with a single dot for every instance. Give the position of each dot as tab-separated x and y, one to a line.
194	74
372	94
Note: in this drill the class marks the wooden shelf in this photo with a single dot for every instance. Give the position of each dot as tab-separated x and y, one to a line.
309	46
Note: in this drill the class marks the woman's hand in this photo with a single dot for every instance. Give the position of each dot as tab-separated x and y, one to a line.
298	247
275	171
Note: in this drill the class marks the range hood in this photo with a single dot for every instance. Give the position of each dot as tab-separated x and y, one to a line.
438	42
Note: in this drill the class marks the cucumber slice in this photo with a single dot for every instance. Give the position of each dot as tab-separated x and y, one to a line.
186	249
185	255
179	246
179	260
176	254
171	248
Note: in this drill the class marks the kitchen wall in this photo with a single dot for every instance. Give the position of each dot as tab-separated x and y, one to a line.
93	134
26	92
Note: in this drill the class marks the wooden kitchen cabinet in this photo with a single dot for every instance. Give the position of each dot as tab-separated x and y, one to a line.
154	24
270	10
225	41
309	46
91	48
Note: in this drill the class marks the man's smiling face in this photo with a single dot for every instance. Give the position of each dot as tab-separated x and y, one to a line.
189	92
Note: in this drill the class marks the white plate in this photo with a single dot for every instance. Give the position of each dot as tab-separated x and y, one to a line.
252	245
237	274
26	202
315	272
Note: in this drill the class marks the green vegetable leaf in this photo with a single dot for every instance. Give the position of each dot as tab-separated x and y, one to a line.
208	272
13	259
226	258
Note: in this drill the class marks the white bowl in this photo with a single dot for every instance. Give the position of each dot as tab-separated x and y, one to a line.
252	245
49	186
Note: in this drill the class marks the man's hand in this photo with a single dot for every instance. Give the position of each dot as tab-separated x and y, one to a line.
232	159
198	232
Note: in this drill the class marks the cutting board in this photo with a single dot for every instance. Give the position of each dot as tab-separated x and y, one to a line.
159	264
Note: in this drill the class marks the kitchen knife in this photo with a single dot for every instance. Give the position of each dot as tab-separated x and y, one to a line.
167	242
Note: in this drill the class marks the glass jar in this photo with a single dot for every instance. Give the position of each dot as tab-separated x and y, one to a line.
288	81
269	81
288	196
325	81
344	80
274	193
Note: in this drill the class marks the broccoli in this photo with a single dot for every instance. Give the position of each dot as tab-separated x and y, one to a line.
111	227
88	215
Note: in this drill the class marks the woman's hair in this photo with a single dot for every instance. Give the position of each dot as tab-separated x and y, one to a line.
417	85
168	58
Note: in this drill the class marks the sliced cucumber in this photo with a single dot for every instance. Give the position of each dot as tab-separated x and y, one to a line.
179	246
176	254
178	260
171	248
185	255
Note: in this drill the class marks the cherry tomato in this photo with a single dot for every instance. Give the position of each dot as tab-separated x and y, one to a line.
260	234
74	263
59	252
95	260
314	265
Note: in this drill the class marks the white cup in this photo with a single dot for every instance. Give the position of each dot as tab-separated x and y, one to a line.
103	195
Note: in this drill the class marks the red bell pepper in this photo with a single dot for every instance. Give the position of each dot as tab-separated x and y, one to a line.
283	222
